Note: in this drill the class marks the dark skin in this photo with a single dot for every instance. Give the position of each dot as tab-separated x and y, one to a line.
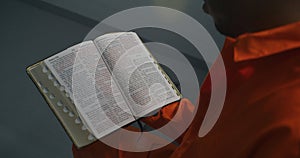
235	17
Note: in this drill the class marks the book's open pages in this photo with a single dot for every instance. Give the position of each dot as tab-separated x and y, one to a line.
112	80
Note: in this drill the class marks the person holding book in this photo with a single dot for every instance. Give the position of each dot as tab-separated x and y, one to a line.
261	114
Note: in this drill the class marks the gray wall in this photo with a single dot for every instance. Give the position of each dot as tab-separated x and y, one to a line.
28	34
32	30
100	9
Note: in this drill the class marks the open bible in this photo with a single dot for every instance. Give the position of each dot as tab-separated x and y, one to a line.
96	87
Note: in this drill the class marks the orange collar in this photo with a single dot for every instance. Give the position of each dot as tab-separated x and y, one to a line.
260	44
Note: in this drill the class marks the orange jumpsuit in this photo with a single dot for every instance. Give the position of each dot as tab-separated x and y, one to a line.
261	114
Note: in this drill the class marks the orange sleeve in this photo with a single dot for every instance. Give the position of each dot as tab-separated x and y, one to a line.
183	109
168	112
162	117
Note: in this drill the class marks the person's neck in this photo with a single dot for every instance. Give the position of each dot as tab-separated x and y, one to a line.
273	22
274	18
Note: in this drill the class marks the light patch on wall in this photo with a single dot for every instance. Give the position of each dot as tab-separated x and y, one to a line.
180	5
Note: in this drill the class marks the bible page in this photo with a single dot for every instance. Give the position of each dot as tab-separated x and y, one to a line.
99	102
135	71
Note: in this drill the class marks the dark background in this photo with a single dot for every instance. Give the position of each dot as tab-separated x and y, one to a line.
32	30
